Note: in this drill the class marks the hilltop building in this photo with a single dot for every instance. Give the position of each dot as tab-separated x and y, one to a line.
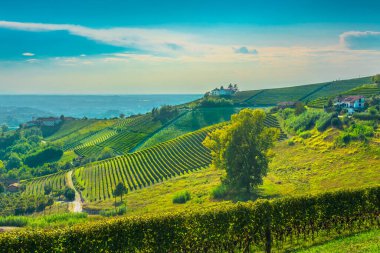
220	92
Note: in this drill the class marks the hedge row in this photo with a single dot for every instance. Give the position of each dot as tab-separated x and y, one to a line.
223	229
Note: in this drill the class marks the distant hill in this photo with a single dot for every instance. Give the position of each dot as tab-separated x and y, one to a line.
305	93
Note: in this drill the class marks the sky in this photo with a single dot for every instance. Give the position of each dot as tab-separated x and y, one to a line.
140	47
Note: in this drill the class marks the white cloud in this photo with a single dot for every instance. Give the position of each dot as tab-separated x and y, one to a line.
28	54
359	40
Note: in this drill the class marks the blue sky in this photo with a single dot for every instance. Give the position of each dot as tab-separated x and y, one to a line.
71	47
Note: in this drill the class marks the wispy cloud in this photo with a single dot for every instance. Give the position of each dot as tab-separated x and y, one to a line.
358	40
152	40
28	54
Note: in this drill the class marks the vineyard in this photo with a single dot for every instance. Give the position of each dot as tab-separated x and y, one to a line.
121	137
145	167
364	90
244	227
336	87
191	121
305	93
70	127
36	186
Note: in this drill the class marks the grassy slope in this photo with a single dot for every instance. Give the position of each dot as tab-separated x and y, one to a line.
365	90
310	166
304	93
362	242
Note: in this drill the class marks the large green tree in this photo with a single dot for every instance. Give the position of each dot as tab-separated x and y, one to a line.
242	148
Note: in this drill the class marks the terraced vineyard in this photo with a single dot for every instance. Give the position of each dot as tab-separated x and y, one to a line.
36	186
121	137
336	87
146	167
149	166
274	96
364	90
304	93
69	127
191	121
91	140
271	121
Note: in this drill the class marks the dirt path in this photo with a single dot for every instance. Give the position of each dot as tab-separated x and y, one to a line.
76	205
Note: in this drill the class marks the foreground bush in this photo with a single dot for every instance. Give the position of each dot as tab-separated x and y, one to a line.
181	197
222	229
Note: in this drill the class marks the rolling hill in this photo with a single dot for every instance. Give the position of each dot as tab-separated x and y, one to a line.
305	93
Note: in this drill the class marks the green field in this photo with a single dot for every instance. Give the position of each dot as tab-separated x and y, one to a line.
303	93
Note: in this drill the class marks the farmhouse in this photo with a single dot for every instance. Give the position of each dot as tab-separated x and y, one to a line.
13	187
355	102
232	89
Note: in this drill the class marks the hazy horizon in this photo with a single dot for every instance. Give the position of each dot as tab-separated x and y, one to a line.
129	47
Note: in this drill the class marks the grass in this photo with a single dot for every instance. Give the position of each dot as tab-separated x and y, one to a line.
53	220
310	166
368	241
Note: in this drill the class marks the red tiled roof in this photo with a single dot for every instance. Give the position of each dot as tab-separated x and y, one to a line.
350	99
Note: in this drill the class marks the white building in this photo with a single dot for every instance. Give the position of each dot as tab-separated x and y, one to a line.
355	102
232	89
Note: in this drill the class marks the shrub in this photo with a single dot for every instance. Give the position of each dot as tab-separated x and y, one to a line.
181	197
302	122
305	135
324	121
69	194
219	191
215	102
232	228
291	143
114	212
335	122
13	221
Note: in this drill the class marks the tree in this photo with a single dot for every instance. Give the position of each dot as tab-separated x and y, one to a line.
69	194
119	191
4	128
241	148
14	161
47	189
122	116
2	188
300	108
376	78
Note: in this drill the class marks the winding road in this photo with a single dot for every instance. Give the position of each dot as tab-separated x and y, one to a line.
76	205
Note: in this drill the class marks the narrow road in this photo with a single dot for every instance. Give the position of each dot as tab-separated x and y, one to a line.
76	205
